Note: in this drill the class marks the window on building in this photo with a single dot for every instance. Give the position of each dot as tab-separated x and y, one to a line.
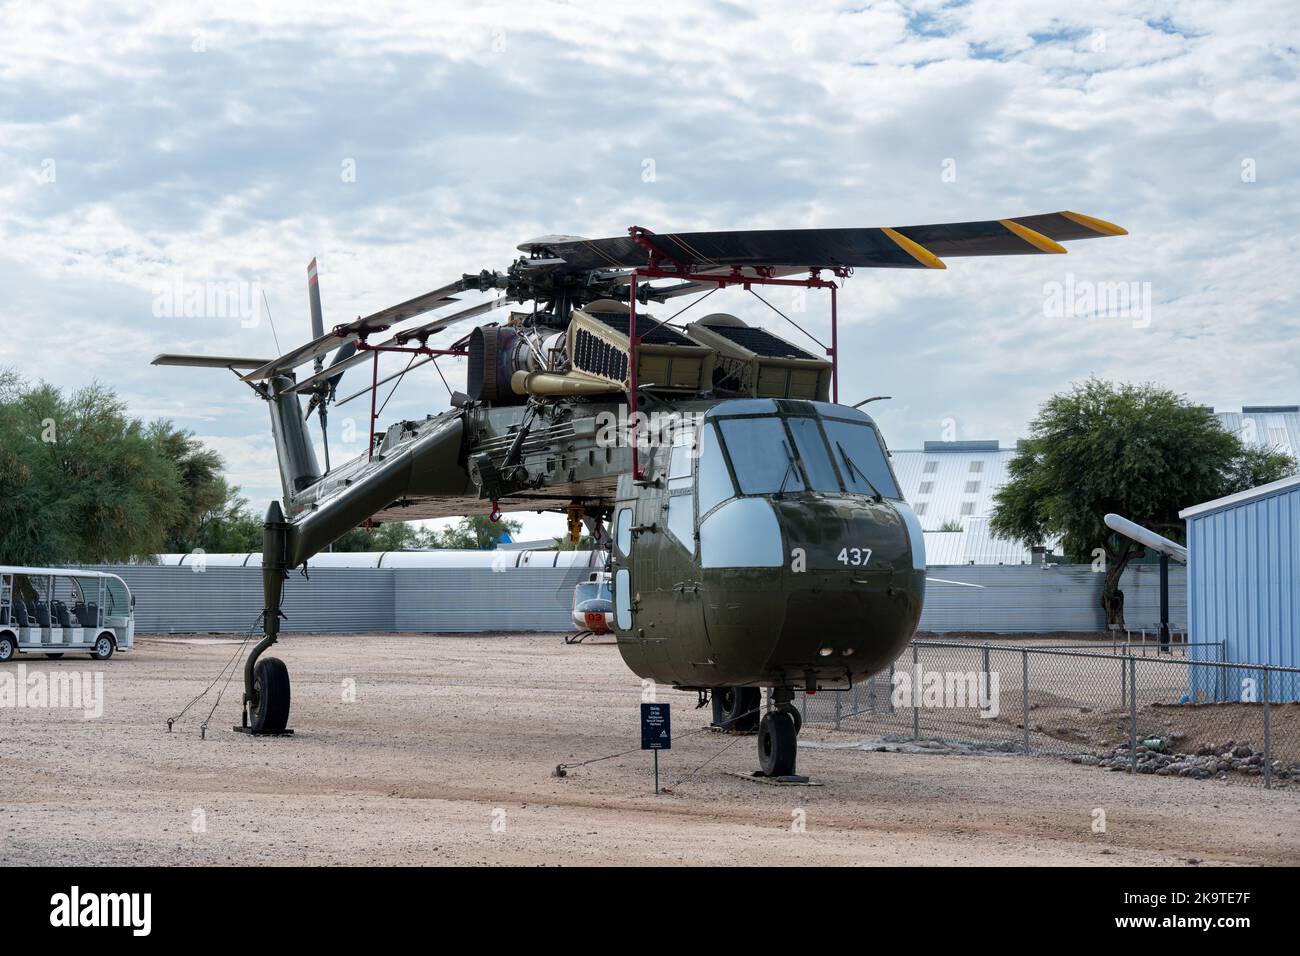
926	488
972	487
976	466
968	508
931	467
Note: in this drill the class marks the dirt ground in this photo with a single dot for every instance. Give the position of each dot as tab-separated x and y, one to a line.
445	757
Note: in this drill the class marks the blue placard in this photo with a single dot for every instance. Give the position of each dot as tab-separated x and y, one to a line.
656	727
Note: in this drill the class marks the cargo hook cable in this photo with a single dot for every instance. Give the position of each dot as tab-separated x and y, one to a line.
203	728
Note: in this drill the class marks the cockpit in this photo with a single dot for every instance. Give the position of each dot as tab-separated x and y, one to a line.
780	448
727	473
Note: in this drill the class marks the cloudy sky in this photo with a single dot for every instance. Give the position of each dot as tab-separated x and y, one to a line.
148	149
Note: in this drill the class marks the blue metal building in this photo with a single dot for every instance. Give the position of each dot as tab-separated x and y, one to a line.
1243	586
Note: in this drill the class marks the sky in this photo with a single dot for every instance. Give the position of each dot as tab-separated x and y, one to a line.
148	151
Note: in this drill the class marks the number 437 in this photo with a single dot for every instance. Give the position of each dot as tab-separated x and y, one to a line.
854	557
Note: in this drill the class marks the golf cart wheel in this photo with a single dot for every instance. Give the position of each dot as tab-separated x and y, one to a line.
8	647
777	744
271	689
103	648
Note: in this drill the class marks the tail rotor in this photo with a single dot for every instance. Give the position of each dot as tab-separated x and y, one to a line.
323	393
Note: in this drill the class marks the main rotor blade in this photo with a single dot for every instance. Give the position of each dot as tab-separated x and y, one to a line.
379	321
423	331
207	361
900	247
401	340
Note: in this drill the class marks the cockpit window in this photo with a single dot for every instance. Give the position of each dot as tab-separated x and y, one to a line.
591	591
861	459
714	486
812	452
761	455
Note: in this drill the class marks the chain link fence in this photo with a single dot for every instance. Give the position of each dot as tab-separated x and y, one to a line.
1126	706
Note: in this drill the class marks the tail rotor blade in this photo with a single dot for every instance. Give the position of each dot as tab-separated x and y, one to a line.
317	318
345	352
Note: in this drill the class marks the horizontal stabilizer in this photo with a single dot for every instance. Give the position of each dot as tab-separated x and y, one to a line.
209	361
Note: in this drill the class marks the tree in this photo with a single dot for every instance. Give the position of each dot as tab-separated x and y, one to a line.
389	536
1140	451
206	499
80	482
476	532
228	527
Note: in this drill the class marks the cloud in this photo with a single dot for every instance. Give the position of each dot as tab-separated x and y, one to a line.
143	149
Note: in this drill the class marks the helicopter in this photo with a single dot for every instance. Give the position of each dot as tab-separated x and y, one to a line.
756	534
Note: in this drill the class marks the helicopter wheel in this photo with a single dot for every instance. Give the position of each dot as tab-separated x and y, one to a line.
271	684
737	708
795	715
778	744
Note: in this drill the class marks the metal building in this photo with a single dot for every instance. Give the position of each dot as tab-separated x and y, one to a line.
1244	584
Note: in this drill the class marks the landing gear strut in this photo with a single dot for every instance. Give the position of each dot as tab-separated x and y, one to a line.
778	735
266	681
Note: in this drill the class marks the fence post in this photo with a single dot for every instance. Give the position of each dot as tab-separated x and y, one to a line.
986	663
1132	714
916	697
1221	682
839	705
1268	756
1024	692
1123	681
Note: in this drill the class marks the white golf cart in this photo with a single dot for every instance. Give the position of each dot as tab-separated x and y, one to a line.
54	611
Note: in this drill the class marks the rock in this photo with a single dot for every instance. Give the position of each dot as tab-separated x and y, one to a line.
1205	750
1088	760
1242	751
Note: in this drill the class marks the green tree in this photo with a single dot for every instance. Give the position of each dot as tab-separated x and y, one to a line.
1140	451
80	481
388	536
205	496
475	533
228	527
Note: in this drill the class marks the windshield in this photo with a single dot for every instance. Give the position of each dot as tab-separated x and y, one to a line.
591	591
761	455
772	455
860	457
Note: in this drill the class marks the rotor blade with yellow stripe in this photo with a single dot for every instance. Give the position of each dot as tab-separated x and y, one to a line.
897	247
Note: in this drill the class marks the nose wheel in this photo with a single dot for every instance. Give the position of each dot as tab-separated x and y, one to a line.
778	735
778	744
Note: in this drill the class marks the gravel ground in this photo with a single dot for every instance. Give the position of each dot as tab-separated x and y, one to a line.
445	757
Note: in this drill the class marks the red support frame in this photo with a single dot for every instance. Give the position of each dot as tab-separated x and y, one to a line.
736	277
362	346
